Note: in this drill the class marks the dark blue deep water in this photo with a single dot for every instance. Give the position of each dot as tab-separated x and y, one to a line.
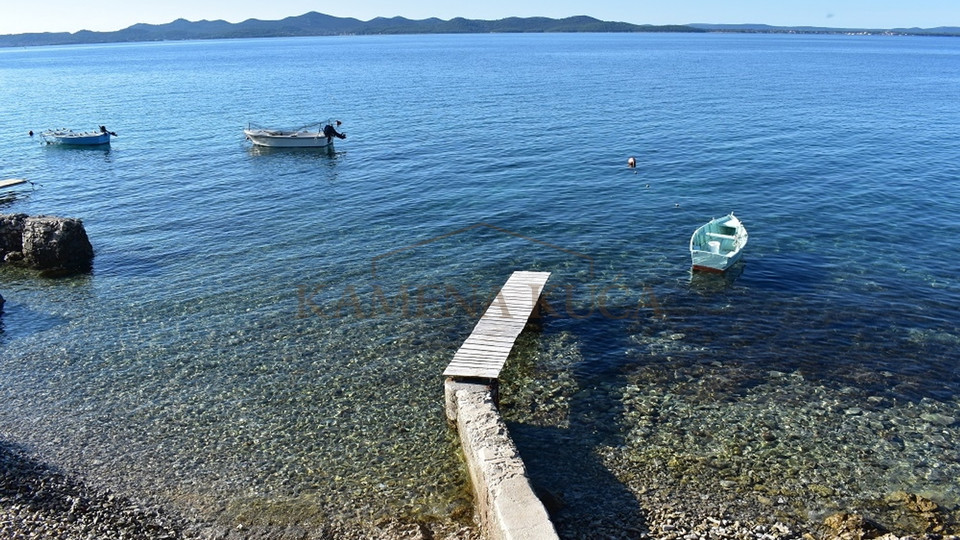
264	332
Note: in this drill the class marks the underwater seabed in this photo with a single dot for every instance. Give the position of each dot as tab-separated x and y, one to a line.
717	439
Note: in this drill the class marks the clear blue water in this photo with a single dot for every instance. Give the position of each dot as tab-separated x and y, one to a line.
230	352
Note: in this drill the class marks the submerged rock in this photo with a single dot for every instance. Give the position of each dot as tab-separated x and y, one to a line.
918	513
56	245
848	526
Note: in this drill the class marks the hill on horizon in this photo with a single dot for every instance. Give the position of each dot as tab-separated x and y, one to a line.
319	24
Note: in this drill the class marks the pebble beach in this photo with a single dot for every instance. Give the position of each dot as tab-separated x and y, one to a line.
37	502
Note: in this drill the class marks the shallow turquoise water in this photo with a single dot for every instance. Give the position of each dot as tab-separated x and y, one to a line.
231	349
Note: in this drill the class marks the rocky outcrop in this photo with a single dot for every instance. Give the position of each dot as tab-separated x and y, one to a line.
11	233
53	244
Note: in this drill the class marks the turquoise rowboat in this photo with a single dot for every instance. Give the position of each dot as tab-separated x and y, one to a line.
718	245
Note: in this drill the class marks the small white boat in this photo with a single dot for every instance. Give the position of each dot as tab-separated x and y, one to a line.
78	138
311	136
718	245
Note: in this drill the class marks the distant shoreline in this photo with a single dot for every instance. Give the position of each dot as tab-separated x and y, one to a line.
319	24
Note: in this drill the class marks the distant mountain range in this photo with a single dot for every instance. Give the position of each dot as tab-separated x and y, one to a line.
765	28
318	24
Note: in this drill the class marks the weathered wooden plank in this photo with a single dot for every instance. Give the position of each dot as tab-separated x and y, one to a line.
479	366
483	342
489	337
487	351
479	337
498	328
502	324
474	356
473	373
473	359
520	293
12	182
484	352
480	357
467	367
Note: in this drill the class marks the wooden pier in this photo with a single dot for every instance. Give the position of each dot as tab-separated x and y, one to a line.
12	182
485	351
506	503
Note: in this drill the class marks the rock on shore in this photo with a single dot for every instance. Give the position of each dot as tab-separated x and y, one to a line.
53	244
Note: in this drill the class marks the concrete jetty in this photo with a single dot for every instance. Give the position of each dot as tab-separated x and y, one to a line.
508	507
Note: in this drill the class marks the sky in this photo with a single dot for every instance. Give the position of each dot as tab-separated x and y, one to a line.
23	16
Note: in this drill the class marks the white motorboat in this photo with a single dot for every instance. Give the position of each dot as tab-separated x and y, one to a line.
311	136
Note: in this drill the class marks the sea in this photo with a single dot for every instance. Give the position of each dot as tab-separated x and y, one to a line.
262	335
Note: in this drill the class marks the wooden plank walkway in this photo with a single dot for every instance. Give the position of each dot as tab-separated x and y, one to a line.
12	182
485	351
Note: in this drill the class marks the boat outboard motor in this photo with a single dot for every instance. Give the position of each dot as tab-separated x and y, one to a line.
330	131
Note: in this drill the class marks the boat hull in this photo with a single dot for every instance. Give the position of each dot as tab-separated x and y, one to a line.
286	139
77	139
718	245
715	264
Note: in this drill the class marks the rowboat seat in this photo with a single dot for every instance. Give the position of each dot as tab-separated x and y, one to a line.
724	236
